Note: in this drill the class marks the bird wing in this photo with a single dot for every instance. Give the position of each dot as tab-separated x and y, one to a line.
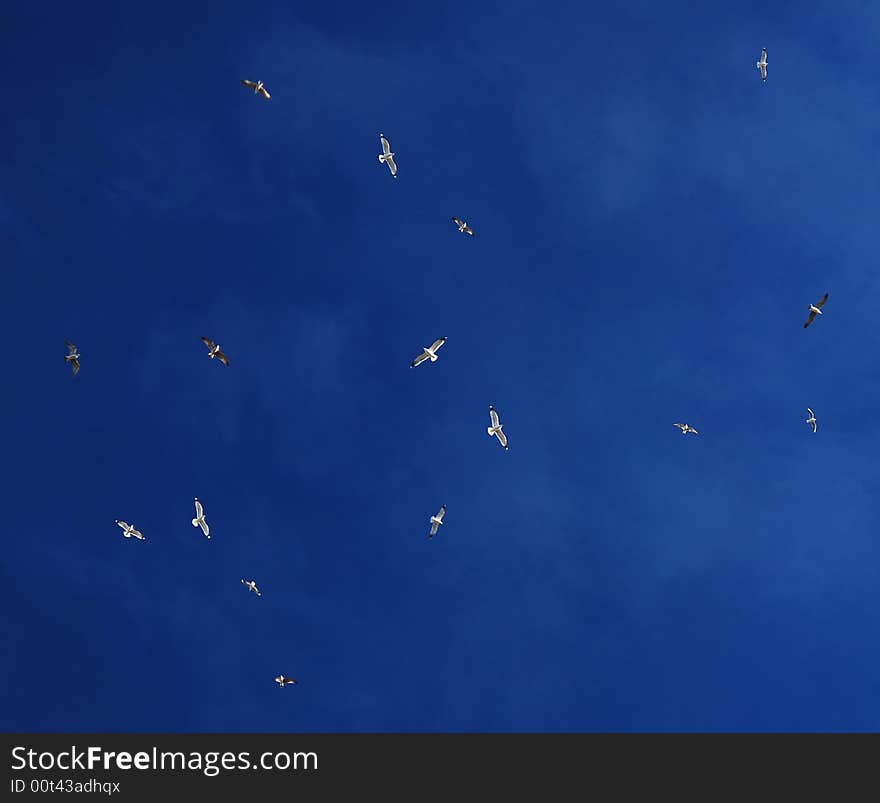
386	147
208	342
223	358
205	528
469	230
391	165
694	431
810	412
680	426
251	84
200	511
70	347
75	363
764	56
458	221
441	514
502	437
136	532
437	343
763	72
122	524
810	319
419	360
265	93
493	415
434	527
820	303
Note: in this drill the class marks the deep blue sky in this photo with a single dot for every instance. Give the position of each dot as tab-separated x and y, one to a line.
652	222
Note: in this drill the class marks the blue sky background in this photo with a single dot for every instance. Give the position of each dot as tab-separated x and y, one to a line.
652	222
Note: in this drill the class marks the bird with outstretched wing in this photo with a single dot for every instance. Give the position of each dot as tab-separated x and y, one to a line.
816	309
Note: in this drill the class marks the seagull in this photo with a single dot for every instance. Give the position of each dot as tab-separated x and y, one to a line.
762	64
812	419
685	428
283	681
73	357
199	520
128	531
387	157
497	427
214	351
815	310
463	227
252	585
258	87
429	353
436	521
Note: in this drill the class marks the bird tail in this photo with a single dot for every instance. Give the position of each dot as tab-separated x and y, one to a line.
195	522
381	157
490	430
433	358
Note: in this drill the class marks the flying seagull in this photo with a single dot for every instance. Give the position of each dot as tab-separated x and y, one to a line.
685	428
815	309
812	419
497	427
762	64
73	357
429	353
258	87
436	521
283	681
199	520
128	531
252	585
214	351
387	157
463	227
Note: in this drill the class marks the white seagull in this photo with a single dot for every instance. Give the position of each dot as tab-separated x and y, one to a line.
252	585
812	419
762	64
436	521
283	681
73	357
214	351
199	520
815	309
258	87
387	156
497	427
463	227
685	428
128	531
429	353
